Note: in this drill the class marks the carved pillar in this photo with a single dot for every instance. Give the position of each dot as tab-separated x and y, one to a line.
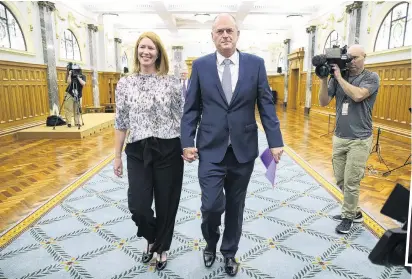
354	10
117	51
311	52
49	53
177	60
92	29
286	67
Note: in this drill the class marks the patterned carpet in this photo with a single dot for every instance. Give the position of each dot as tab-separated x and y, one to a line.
288	233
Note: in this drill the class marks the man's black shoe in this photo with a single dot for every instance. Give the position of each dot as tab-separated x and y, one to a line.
231	266
209	257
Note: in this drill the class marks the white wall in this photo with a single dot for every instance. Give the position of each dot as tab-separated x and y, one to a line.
196	42
74	18
373	13
27	14
335	18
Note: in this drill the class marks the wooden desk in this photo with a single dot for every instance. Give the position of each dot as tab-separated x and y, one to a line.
110	107
95	109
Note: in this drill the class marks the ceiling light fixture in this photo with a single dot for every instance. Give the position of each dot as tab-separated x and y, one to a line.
293	15
202	18
112	14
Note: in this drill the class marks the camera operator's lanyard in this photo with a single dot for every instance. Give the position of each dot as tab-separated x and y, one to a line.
345	103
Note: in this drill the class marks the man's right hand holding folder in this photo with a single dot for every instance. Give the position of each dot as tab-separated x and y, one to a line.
270	158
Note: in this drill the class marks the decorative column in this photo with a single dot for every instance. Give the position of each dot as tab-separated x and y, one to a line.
177	60
117	50
49	53
286	67
92	29
311	30
354	10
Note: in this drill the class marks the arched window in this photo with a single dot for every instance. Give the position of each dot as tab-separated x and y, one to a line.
395	28
69	47
11	35
332	40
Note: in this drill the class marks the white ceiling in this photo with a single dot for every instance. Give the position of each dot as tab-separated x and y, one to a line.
176	18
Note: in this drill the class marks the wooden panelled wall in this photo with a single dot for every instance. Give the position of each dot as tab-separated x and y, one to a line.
24	92
107	86
391	109
277	82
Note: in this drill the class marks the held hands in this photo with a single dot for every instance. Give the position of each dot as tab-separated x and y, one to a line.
190	154
336	72
277	153
118	167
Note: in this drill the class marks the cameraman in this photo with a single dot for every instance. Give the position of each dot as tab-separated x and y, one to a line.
75	88
352	140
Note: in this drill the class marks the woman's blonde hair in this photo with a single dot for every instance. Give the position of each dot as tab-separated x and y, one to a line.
162	61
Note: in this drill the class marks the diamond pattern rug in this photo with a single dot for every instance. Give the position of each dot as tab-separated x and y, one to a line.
288	232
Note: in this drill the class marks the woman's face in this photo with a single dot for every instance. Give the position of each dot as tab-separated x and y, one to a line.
147	52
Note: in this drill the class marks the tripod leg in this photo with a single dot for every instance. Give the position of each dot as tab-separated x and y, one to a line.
79	114
60	109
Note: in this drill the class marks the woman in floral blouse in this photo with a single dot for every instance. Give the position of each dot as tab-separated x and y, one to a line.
149	105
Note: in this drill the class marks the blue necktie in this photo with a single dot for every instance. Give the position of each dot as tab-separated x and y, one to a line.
227	80
227	84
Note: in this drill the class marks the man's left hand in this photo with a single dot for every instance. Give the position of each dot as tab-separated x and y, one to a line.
277	153
336	71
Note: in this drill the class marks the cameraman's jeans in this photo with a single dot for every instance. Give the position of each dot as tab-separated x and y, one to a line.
71	108
349	162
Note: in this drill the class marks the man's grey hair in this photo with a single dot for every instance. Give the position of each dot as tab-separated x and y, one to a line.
219	15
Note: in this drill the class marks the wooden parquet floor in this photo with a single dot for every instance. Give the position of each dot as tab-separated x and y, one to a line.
33	171
303	135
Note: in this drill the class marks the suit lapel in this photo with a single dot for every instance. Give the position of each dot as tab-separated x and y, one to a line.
241	76
213	66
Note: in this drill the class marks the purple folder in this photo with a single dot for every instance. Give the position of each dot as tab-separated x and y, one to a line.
270	164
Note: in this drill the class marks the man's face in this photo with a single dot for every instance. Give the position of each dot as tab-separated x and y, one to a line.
225	34
358	62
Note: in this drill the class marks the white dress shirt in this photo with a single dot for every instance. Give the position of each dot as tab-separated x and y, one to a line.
234	67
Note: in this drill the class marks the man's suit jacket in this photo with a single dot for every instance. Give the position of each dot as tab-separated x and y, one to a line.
206	103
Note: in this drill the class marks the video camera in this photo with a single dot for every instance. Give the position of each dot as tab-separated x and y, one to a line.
76	70
334	55
391	248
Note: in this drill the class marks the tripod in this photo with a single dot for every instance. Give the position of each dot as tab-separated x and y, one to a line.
377	149
328	128
407	162
77	102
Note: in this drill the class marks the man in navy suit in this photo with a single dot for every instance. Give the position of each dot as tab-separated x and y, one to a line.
222	92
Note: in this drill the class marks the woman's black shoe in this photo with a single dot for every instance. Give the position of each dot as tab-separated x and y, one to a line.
147	256
159	264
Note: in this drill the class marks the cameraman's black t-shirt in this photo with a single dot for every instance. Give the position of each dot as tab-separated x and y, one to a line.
75	84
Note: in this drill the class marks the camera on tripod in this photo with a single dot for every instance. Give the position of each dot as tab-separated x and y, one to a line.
334	55
76	70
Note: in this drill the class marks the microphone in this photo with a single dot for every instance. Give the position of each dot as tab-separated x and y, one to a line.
319	60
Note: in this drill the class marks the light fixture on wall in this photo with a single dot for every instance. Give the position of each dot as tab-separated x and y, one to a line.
202	18
293	15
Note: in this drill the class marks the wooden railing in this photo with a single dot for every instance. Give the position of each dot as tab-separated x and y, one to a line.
23	93
24	96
